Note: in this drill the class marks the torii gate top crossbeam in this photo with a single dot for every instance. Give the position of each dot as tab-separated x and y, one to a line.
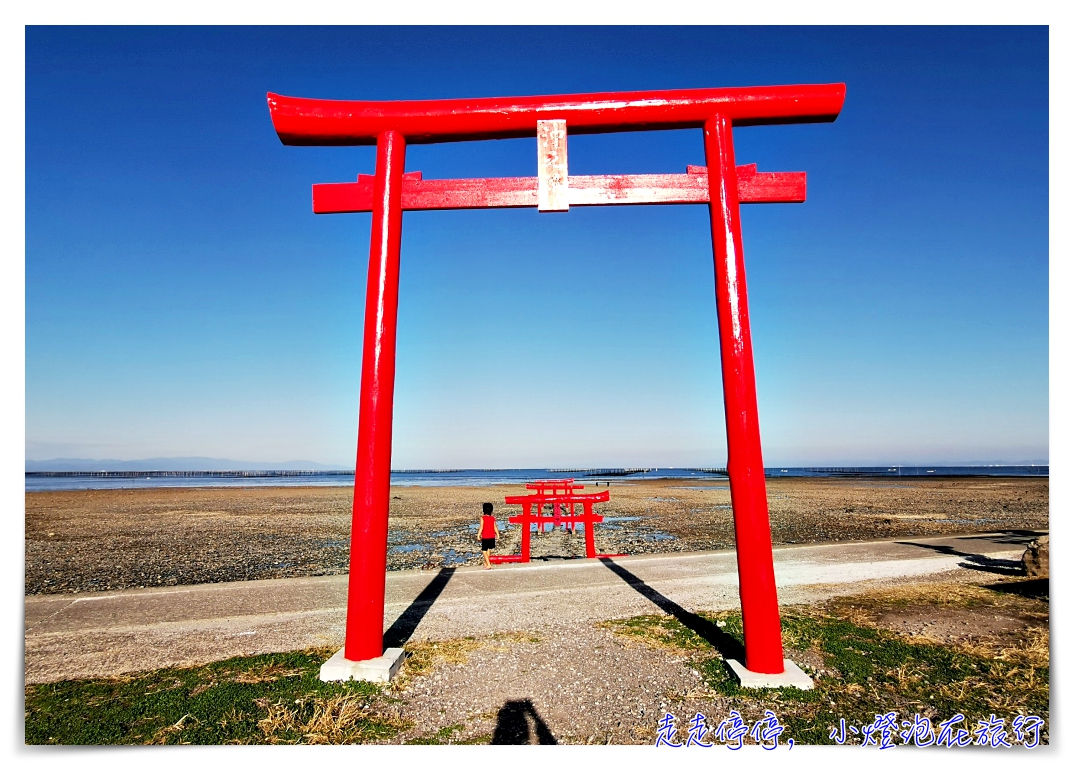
301	121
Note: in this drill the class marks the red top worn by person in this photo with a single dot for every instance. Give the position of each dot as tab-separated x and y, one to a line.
487	533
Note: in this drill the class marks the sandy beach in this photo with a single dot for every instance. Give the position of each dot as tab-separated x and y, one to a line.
100	540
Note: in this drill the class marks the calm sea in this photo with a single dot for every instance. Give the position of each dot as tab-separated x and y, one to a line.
44	481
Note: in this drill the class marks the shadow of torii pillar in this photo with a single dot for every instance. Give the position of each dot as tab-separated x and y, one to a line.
722	185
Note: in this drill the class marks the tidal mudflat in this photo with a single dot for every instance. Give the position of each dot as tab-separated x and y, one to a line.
97	540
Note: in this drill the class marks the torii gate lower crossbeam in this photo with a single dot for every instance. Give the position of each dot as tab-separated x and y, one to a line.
722	186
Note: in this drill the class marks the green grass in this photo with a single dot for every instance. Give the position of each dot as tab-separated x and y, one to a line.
274	698
868	670
861	670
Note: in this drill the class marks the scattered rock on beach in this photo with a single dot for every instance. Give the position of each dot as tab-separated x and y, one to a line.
1035	559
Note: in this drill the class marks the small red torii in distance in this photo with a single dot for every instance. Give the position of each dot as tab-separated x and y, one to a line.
391	125
557	492
552	487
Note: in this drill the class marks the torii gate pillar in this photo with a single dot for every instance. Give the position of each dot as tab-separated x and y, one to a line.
745	467
372	478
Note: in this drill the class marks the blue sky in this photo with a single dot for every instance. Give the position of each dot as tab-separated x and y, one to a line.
181	298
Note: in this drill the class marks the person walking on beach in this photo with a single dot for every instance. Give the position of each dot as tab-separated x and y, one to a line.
486	532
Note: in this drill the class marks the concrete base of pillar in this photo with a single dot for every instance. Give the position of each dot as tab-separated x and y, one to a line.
792	676
382	669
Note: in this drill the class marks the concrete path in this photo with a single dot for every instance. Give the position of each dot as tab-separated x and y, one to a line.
102	634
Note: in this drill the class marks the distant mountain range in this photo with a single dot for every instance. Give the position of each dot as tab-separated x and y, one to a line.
173	464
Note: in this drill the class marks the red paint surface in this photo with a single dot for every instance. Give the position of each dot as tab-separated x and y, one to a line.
520	192
369	521
554	485
326	122
391	124
753	537
573	497
549	493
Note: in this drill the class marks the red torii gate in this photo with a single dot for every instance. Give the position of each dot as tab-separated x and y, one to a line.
390	191
550	492
551	487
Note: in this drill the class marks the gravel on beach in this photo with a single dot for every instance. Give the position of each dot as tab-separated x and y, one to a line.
99	540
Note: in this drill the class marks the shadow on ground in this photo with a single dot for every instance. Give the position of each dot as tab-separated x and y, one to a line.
980	562
404	626
1010	536
728	646
1030	589
519	724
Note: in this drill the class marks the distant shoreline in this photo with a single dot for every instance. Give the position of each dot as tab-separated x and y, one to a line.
49	481
922	470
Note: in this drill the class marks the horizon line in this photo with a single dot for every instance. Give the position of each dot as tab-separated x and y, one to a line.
594	469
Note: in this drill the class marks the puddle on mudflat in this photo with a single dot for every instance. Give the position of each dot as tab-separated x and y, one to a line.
408	548
451	557
967	521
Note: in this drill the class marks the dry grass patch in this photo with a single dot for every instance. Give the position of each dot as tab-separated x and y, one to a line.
274	698
319	720
165	734
422	657
658	632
